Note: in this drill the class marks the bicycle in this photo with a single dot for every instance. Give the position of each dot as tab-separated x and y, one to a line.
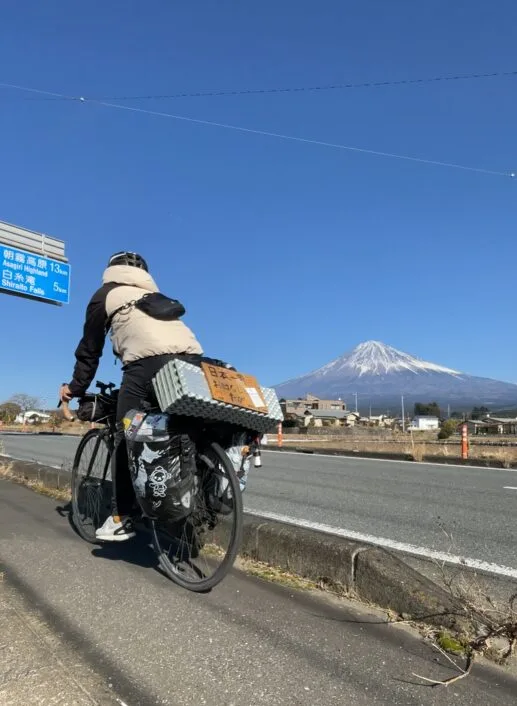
195	553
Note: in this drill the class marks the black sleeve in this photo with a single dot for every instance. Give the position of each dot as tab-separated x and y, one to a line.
89	350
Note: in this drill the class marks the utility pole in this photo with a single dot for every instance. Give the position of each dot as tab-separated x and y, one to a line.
448	411
403	413
355	395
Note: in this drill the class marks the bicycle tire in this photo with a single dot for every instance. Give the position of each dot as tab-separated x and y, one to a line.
98	485
206	584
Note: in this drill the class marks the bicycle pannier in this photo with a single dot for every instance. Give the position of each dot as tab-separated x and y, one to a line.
162	465
95	408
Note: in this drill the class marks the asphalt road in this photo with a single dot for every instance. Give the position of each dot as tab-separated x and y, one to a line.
408	503
247	643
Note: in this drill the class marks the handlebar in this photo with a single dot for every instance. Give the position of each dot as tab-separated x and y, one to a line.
103	387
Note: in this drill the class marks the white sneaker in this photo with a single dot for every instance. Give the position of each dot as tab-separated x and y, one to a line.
112	531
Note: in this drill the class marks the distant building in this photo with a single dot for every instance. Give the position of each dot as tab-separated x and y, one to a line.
332	417
424	423
299	406
491	426
378	420
32	417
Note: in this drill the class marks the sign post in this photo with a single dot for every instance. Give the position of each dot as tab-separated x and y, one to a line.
33	266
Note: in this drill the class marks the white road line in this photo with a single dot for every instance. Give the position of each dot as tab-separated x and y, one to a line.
510	487
337	457
391	544
371	539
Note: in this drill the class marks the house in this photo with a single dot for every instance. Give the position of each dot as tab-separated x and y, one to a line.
299	406
381	420
32	417
331	417
424	423
491	426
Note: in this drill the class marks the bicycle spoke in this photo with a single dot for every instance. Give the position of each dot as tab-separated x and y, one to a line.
91	484
199	551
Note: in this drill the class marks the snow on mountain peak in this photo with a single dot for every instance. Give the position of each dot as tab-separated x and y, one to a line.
376	358
380	374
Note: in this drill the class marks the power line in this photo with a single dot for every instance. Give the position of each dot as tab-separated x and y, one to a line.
291	89
57	96
306	140
267	133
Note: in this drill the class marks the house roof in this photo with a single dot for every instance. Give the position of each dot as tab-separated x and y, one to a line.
489	421
331	413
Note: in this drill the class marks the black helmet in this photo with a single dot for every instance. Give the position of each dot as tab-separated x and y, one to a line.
128	258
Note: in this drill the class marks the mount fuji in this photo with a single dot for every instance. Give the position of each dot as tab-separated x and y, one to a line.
380	374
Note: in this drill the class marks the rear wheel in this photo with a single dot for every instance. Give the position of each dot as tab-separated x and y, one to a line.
91	483
198	552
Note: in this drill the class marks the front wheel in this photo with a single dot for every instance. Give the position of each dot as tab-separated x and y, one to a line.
91	483
198	552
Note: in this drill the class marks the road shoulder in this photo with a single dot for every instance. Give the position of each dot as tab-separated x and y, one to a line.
36	667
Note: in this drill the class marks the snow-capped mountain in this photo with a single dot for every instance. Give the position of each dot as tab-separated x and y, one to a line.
380	374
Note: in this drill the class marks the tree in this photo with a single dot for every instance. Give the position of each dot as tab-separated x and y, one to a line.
9	411
478	412
25	402
290	421
429	409
56	421
449	426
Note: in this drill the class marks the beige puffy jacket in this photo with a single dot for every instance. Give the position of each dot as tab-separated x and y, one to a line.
134	334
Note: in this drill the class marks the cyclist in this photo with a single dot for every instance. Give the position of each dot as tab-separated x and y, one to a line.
144	338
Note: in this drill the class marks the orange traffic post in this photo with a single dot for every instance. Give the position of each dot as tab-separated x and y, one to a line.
464	441
280	435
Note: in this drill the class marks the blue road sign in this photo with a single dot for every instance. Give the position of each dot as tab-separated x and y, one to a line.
34	276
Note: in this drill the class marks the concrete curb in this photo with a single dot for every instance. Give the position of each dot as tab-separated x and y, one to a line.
372	574
53	478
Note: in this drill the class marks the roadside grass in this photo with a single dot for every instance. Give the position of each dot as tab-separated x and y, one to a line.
416	450
505	456
273	574
75	428
37	486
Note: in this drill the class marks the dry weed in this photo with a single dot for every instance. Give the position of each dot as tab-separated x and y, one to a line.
418	452
505	456
496	635
37	486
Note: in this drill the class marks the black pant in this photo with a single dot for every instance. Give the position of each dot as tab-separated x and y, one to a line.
136	392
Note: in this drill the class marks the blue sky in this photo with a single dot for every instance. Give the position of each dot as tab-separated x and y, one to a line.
285	254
